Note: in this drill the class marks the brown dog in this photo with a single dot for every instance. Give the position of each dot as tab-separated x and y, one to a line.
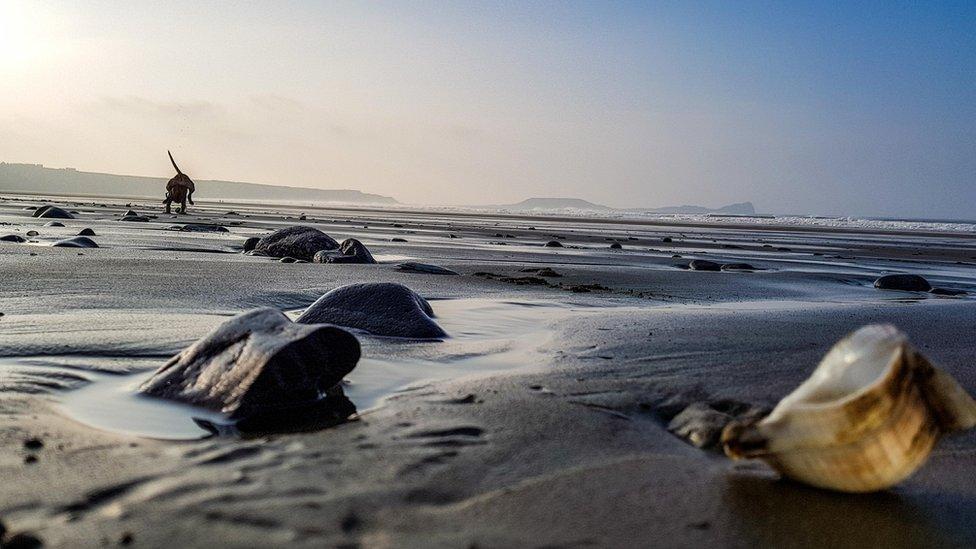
179	189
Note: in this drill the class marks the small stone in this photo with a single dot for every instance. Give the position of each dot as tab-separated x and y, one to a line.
86	232
704	265
288	260
554	244
398	239
32	233
425	268
615	246
666	239
33	443
905	282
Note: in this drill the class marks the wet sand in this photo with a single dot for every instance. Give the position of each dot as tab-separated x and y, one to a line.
540	423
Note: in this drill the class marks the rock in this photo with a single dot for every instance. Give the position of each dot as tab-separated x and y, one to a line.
22	540
398	239
947	291
296	241
615	246
704	265
86	232
554	244
136	218
700	425
13	238
425	268
54	224
350	251
906	282
257	363
738	267
76	242
547	272
288	259
666	239
33	443
130	213
203	228
384	309
51	212
250	243
32	233
302	217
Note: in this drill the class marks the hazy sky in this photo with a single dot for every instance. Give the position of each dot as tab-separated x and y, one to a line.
798	107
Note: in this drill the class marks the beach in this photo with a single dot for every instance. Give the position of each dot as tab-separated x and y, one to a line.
541	421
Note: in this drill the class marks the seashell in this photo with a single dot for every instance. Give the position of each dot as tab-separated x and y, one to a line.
865	420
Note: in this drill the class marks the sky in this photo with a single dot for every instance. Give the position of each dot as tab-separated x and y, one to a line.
800	107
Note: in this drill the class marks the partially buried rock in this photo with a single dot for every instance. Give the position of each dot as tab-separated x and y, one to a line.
947	291
86	232
385	309
288	259
296	241
256	363
54	224
906	282
398	239
425	268
203	228
12	238
52	212
615	246
76	242
350	251
554	244
701	423
704	265
250	243
32	233
738	267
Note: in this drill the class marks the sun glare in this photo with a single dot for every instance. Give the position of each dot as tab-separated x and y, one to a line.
20	28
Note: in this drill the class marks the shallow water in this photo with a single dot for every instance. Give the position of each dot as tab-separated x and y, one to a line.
485	336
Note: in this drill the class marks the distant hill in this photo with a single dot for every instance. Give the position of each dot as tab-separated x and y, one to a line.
741	208
68	181
554	204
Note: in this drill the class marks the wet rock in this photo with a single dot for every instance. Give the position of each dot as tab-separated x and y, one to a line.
54	224
350	251
52	212
134	218
700	425
385	309
33	443
548	273
22	540
32	233
256	363
615	246
704	265
76	242
398	240
13	238
86	232
906	282
425	268
554	244
130	213
288	259
738	267
203	228
296	241
250	243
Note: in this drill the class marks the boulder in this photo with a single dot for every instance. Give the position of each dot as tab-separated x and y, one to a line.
257	363
76	242
350	251
384	309
296	241
52	212
250	243
426	268
704	265
12	238
554	244
86	232
906	282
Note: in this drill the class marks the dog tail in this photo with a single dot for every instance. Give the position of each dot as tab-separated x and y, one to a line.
174	162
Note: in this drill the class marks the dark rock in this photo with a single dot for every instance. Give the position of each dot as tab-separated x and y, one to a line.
54	224
232	213
130	213
256	363
666	239
586	288
76	242
52	212
203	228
615	246
385	309
135	218
32	233
547	272
12	238
704	265
947	291
738	267
398	240
296	241
350	251
906	282
288	259
425	268
86	232
302	217
33	444
250	243
554	244
22	540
